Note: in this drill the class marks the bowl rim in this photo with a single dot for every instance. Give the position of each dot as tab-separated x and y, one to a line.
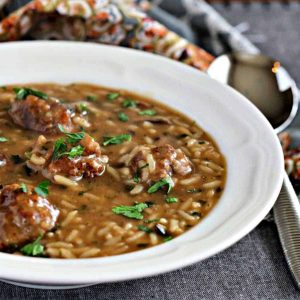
115	275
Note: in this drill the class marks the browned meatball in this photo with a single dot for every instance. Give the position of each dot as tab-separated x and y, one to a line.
40	115
153	163
89	163
23	216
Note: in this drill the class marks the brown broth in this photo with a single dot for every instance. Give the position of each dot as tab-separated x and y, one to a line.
95	230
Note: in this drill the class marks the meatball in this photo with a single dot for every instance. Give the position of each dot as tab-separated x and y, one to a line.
44	115
151	164
23	216
88	163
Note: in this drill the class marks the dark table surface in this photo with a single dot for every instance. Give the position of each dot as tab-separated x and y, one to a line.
255	267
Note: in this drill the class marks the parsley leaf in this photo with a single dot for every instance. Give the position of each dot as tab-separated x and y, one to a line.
91	98
123	117
129	103
165	181
116	140
147	112
22	93
3	139
34	249
168	238
171	200
151	220
42	188
112	96
74	151
59	147
71	137
137	175
82	107
23	187
133	212
144	228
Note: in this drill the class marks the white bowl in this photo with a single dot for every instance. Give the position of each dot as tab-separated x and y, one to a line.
252	150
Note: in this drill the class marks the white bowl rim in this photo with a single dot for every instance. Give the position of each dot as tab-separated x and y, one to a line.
64	275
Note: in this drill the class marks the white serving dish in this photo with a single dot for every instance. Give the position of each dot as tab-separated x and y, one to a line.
252	150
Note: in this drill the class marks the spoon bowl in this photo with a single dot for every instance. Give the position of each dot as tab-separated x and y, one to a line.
263	81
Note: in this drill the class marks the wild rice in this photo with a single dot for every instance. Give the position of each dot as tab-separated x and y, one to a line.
65	253
153	238
53	252
211	185
186	204
59	245
113	172
70	217
137	189
90	253
62	180
113	241
73	234
135	237
67	204
186	216
189	181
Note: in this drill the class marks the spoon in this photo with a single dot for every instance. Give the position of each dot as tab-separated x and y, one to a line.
269	86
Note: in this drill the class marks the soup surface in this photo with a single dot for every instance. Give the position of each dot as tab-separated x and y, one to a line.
86	171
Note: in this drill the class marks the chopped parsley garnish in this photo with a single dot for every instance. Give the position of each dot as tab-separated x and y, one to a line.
3	139
151	220
137	175
171	200
123	117
133	212
22	93
23	187
82	107
74	152
91	98
34	249
194	190
59	147
168	238
17	159
116	140
112	96
147	112
165	181
74	137
144	228
129	103
42	188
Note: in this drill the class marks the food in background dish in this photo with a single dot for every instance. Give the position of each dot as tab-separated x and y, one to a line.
87	172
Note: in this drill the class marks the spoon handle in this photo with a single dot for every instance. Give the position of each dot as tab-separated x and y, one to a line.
287	219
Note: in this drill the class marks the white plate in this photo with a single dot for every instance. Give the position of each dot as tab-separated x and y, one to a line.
252	150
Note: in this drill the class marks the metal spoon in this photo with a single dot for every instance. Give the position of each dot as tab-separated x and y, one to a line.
269	86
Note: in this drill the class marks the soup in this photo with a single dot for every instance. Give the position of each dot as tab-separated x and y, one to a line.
86	171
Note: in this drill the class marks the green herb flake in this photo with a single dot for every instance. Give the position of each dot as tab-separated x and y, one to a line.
168	238
123	117
34	249
171	200
133	212
144	228
74	152
59	147
137	175
42	188
82	107
23	187
151	220
165	181
22	93
112	96
91	98
116	140
3	139
129	103
147	112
